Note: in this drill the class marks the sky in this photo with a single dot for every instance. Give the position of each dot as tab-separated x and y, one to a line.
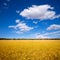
29	18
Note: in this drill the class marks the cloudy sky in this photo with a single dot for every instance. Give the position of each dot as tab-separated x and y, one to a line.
29	18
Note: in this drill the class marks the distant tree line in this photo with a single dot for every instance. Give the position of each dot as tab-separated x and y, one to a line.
29	39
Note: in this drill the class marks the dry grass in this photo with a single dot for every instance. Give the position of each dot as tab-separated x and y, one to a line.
30	50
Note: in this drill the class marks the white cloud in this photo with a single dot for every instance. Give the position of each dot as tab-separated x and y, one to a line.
48	34
18	32
21	27
35	22
57	16
17	21
53	33
12	27
41	12
41	36
53	27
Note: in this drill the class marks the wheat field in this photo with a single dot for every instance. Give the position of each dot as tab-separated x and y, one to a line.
29	49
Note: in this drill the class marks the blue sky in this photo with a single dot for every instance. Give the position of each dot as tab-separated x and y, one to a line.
29	18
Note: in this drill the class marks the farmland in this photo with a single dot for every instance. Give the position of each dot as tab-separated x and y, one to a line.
29	49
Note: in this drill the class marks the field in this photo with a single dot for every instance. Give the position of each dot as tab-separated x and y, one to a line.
29	49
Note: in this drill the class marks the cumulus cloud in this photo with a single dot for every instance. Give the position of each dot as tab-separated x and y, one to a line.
41	12
53	27
21	27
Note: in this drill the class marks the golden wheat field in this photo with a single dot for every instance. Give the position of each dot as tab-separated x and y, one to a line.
29	49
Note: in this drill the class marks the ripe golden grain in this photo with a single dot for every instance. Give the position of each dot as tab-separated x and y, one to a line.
30	50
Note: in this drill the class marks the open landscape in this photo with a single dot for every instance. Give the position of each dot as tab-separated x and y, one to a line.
29	29
29	49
